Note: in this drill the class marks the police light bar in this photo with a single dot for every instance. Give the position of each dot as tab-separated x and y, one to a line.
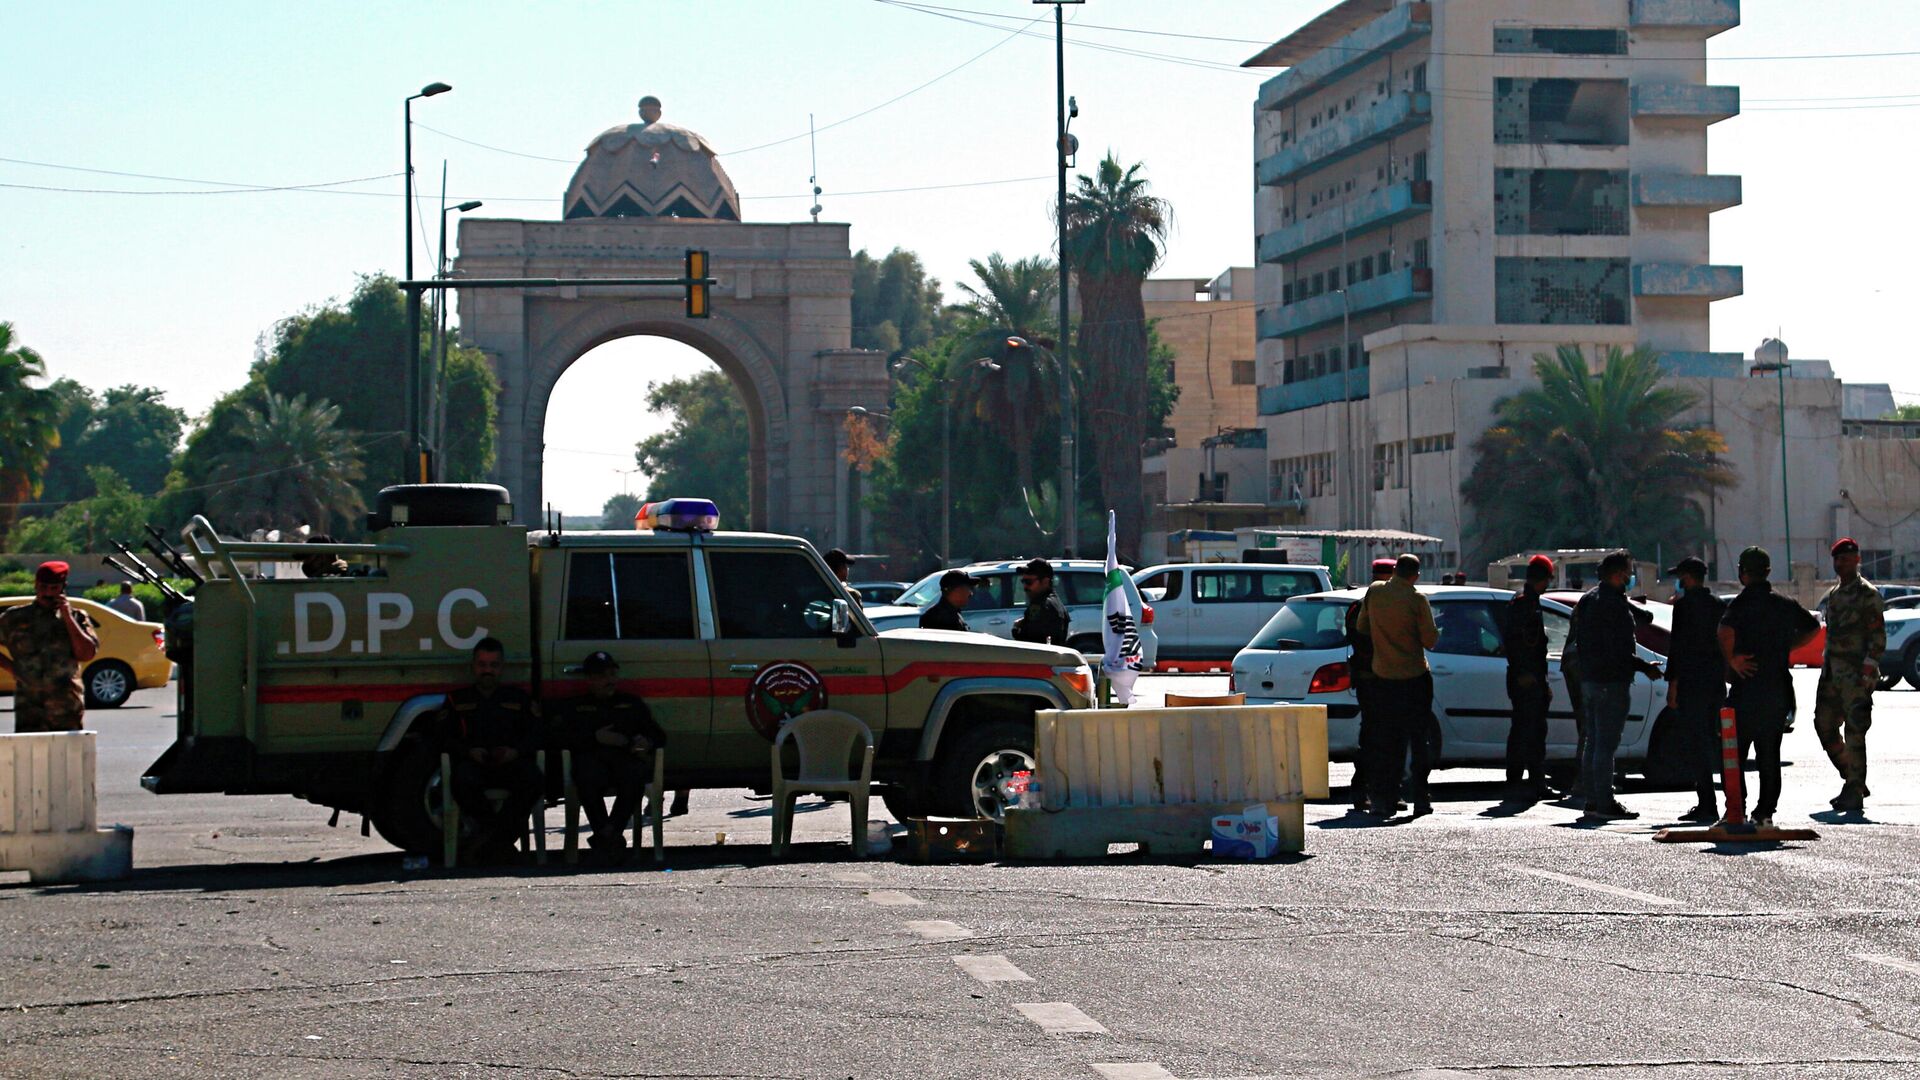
678	515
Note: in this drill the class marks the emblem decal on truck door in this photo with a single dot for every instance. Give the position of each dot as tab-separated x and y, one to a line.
781	691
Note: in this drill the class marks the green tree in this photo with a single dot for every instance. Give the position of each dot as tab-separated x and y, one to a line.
1010	396
1909	411
896	306
130	429
114	512
472	413
213	437
1594	458
296	466
703	453
29	426
619	510
66	480
1115	234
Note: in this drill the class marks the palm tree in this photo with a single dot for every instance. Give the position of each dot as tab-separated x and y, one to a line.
1013	395
1594	458
1115	236
29	426
295	466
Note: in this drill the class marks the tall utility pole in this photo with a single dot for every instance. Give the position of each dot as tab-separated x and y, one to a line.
1069	519
1786	505
413	463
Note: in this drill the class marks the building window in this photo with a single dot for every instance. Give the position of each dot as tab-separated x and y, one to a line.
1420	77
1420	254
1564	41
1571	112
1286	293
1353	355
1560	202
1243	373
1433	444
1366	269
1564	292
1384	262
1319	283
1389	460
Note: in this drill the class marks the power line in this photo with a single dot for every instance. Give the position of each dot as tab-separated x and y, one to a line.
1188	61
189	179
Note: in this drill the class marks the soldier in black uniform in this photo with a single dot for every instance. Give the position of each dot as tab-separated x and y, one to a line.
613	737
956	589
490	732
1757	637
1046	619
1697	680
1527	688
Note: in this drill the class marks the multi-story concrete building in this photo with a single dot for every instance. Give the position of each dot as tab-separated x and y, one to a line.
1447	188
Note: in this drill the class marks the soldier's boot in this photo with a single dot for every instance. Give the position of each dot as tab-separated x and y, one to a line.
1851	797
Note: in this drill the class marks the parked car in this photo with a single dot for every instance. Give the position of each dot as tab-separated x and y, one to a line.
1902	658
1898	592
1300	657
1903	603
998	600
877	592
1653	622
131	655
1209	611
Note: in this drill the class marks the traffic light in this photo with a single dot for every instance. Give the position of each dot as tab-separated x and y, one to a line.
699	302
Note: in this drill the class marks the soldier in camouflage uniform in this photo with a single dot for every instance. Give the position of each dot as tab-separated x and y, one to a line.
47	642
1843	707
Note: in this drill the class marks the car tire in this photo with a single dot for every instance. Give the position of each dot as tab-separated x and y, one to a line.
109	683
977	759
407	807
1886	682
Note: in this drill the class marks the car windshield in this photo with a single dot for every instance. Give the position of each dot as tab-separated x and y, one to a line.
1305	624
924	592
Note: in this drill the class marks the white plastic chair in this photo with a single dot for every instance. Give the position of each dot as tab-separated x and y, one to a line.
826	739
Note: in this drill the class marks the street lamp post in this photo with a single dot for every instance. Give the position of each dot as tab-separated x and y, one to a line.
1786	507
412	460
1062	150
437	405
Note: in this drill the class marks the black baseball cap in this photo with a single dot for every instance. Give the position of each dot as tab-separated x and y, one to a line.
953	579
1755	560
1692	565
1037	568
597	662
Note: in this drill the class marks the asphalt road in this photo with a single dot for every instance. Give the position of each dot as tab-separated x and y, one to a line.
1488	940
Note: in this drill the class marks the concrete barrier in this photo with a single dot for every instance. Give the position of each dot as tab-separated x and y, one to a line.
1156	777
48	811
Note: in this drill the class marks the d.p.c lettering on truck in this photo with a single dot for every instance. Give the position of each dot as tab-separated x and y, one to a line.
322	687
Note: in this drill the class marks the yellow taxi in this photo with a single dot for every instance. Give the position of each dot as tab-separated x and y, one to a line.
131	656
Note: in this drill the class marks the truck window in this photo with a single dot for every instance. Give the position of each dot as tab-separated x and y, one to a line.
1223	586
991	593
629	596
1170	580
1286	584
771	594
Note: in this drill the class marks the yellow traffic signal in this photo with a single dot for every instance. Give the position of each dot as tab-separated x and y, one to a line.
699	304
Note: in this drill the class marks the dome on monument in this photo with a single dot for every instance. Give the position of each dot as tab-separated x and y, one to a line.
651	169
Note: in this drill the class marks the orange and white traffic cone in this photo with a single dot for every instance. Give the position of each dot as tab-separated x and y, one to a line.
1732	781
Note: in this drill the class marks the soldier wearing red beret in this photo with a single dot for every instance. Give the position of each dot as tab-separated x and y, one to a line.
47	644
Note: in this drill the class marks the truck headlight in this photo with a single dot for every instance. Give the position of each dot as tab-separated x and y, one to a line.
1079	677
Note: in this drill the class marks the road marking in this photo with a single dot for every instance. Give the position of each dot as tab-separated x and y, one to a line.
1060	1018
939	930
1894	962
991	969
1598	886
893	898
1132	1070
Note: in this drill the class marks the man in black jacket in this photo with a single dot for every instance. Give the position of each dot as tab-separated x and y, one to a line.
613	737
490	731
1527	688
1046	619
1757	637
1360	662
956	590
1696	680
1603	623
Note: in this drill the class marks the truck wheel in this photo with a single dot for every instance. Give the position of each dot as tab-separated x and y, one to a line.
109	684
974	772
905	802
407	813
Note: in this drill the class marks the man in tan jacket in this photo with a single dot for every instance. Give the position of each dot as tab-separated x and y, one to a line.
1400	623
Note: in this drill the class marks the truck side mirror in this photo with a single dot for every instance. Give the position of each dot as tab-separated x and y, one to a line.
842	619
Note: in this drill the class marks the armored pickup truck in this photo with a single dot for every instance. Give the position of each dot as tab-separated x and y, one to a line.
319	686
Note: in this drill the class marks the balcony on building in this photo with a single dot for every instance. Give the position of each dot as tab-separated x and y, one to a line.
1347	136
1319	390
1685	101
1357	49
1685	191
1686	282
1702	365
1323	230
1390	290
1707	17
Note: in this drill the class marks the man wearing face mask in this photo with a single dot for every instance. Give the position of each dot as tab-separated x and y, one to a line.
1603	622
1697	683
1757	637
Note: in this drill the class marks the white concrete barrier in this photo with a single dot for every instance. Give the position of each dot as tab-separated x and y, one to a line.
48	811
1157	776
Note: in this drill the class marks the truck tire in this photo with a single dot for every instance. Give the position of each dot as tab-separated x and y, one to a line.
109	684
407	809
905	802
973	770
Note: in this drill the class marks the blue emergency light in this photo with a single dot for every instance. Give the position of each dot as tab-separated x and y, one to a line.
678	515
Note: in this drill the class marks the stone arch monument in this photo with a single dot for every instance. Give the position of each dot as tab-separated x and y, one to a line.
781	327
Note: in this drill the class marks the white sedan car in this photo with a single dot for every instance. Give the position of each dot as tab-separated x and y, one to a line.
1300	657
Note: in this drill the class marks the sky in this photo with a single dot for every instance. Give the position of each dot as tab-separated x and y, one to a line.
175	289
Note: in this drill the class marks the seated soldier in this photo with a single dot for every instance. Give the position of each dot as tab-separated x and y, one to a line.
490	732
613	736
